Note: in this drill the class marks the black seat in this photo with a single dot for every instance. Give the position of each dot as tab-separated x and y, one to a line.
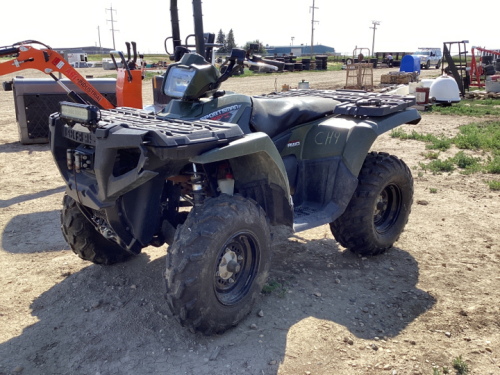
274	116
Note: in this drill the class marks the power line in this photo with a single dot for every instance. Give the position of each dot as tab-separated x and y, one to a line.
112	25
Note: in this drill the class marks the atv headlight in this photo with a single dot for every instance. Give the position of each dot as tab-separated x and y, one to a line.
178	80
83	113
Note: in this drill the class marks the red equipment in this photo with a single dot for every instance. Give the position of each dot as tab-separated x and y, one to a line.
48	61
477	69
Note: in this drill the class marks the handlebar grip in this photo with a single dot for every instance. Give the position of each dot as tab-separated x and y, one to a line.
128	51
134	49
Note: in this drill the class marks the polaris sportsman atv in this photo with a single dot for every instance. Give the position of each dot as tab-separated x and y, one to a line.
212	172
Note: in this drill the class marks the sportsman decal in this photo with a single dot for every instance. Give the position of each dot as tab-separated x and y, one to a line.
293	144
224	114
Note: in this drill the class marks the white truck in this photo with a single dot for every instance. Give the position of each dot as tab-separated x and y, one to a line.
77	59
429	57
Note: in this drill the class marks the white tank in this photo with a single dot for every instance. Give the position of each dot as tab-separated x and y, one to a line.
444	89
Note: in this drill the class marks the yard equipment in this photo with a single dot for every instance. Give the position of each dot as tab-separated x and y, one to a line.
477	69
459	71
48	61
214	171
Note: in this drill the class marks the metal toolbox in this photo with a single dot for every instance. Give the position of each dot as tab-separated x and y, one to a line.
36	98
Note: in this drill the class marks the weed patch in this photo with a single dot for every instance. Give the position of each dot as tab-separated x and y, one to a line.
493	184
469	163
470	107
493	165
474	136
438	166
460	365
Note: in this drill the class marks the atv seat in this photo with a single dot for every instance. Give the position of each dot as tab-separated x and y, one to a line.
275	115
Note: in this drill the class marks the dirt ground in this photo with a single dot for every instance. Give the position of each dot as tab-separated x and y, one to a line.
431	298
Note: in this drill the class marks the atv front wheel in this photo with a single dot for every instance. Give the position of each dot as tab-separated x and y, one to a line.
218	264
379	209
84	240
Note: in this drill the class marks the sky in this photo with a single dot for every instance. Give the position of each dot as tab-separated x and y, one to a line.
343	25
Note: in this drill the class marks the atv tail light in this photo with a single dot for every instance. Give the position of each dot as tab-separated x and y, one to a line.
82	113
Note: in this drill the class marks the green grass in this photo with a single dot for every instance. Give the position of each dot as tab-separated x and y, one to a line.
470	107
275	286
461	367
433	190
271	286
469	163
436	143
430	155
475	136
493	184
493	165
438	166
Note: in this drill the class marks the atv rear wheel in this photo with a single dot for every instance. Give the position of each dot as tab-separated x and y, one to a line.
379	208
218	264
84	240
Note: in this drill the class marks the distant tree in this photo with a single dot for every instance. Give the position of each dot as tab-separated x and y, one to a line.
262	49
230	43
221	39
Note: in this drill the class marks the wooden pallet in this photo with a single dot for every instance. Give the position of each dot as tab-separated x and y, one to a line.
359	76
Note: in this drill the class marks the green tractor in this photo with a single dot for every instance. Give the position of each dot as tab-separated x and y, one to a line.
212	172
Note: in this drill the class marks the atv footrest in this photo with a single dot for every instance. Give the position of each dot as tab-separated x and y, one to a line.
310	215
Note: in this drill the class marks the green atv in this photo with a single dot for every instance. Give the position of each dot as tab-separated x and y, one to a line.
212	173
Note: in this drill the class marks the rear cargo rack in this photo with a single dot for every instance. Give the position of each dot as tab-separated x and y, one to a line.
355	102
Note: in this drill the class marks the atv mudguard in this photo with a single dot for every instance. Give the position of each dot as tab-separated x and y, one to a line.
350	137
259	173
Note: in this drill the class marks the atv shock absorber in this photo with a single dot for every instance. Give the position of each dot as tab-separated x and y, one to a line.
197	183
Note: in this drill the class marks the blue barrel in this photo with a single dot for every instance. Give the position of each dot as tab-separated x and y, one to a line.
410	64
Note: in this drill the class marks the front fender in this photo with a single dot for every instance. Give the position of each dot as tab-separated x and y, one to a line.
259	173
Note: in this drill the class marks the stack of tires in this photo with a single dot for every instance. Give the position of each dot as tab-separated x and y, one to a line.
321	62
489	70
374	62
487	60
289	67
306	64
297	67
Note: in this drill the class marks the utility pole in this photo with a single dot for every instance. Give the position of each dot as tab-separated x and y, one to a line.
99	35
112	25
312	27
292	40
375	24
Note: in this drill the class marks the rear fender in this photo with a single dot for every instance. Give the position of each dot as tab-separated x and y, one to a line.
362	137
259	173
352	137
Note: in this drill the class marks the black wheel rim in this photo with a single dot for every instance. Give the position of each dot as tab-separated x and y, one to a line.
232	287
387	208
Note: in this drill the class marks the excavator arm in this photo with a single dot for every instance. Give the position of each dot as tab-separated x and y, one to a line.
47	61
